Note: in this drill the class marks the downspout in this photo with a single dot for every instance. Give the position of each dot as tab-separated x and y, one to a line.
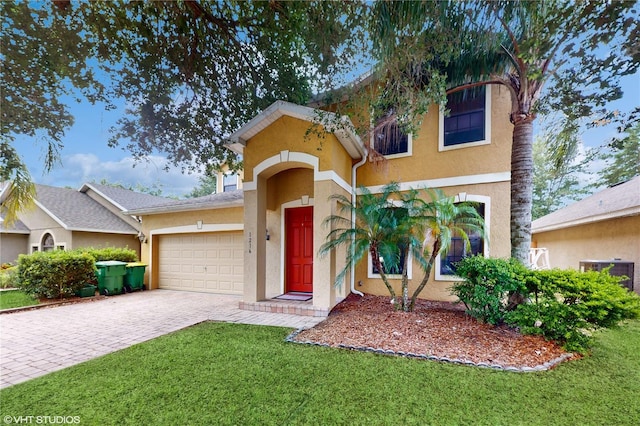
352	271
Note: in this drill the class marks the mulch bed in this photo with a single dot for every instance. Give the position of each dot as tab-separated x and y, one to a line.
434	330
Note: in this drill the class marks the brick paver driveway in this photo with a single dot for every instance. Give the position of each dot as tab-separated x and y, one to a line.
37	342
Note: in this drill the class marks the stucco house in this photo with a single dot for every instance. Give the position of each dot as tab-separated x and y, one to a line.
604	226
64	218
260	237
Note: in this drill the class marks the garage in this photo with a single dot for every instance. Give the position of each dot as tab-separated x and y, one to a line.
208	262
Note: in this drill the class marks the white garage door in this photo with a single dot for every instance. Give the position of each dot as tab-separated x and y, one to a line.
210	262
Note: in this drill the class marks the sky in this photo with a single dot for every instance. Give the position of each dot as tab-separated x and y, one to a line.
86	156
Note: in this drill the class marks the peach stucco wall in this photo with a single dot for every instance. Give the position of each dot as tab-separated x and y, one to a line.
427	162
499	244
606	240
291	134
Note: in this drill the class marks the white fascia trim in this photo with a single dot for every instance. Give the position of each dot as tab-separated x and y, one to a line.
633	211
193	229
487	127
297	157
184	208
13	231
86	186
54	217
450	181
102	231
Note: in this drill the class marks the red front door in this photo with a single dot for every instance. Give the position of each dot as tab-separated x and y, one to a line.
299	249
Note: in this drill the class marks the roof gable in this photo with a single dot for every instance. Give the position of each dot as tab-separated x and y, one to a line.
349	140
124	199
617	201
75	211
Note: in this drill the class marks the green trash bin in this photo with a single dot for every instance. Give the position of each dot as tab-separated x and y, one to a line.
134	276
110	276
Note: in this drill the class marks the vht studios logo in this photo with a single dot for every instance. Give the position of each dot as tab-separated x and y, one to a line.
41	420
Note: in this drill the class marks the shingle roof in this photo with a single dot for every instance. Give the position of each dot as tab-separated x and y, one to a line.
617	201
77	211
213	201
16	228
124	198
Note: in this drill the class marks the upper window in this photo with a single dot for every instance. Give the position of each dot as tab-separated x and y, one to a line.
390	140
230	182
468	121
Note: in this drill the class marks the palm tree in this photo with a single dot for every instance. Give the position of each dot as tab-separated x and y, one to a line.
376	231
435	223
429	48
21	191
391	231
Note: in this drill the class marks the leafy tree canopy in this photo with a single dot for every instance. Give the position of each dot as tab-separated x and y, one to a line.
622	159
578	50
191	72
207	185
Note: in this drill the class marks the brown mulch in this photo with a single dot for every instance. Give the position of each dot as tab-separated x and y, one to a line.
439	329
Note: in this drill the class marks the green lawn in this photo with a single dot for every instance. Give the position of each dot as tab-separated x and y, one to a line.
15	299
217	373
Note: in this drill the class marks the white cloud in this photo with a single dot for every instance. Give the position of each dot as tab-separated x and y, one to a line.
77	169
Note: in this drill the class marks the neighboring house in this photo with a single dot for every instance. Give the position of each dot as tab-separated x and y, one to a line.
604	226
64	218
263	241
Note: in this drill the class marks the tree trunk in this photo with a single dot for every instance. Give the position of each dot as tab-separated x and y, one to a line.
375	258
434	253
521	188
405	281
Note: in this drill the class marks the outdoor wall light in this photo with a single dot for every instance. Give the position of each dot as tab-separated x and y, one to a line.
304	200
142	237
199	224
267	235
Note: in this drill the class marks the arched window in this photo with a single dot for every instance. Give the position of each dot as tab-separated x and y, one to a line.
47	243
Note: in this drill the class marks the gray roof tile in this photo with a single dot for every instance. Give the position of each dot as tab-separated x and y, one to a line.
16	228
126	199
78	211
617	201
223	199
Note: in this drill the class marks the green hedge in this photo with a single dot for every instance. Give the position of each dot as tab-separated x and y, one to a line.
562	305
54	274
8	276
110	253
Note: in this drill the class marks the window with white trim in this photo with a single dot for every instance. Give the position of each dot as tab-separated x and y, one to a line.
229	182
468	122
390	141
47	242
394	271
445	264
459	250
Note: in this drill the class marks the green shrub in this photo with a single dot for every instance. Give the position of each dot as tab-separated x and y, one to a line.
8	277
561	305
566	305
487	285
54	274
111	253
